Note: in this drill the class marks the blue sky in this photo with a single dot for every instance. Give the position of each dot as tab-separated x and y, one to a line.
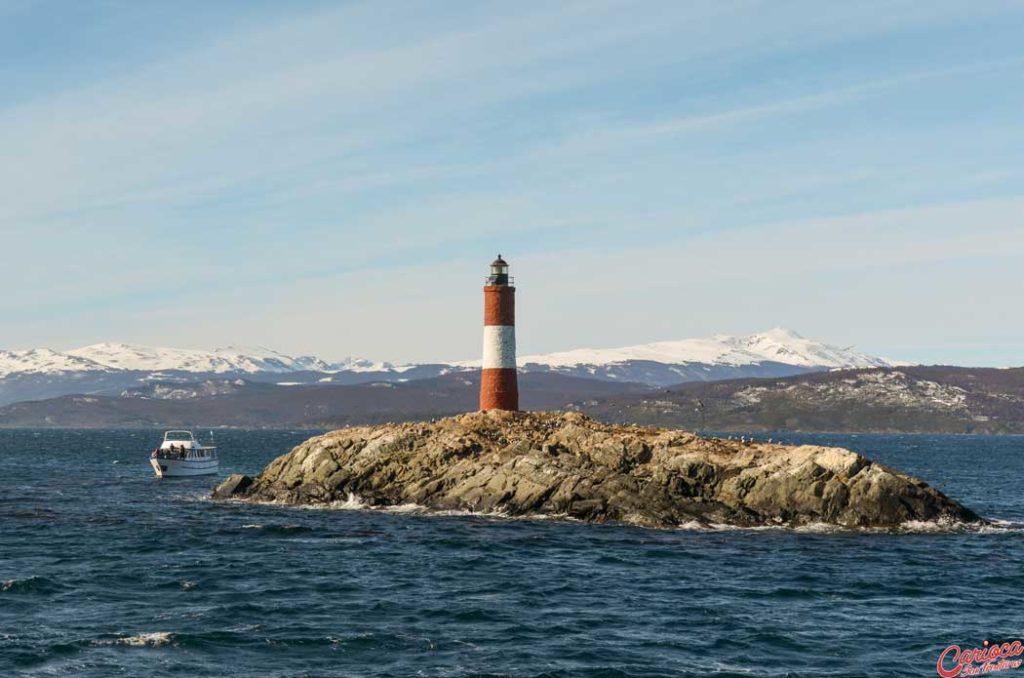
334	177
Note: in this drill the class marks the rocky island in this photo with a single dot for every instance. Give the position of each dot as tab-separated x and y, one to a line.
565	464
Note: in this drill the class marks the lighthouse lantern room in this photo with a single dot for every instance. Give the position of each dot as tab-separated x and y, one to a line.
499	389
499	272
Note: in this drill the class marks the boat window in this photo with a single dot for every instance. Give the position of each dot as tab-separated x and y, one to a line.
178	436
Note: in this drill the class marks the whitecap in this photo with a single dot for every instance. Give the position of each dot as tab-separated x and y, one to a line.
1001	527
407	508
154	639
351	502
938	526
721	667
31	584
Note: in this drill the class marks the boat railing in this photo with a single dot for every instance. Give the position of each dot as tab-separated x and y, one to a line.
183	453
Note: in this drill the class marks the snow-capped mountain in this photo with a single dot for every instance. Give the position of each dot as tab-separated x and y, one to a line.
42	361
775	353
111	368
219	361
129	357
777	345
114	367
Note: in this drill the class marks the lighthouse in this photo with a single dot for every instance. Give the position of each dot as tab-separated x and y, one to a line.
499	389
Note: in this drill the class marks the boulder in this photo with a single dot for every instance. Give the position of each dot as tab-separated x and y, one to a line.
234	484
564	464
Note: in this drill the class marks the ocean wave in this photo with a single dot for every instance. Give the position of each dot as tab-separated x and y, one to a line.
274	528
152	639
721	667
32	584
1001	527
908	527
37	513
350	503
201	497
946	526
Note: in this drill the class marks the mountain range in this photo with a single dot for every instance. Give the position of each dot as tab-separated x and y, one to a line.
883	399
113	368
774	380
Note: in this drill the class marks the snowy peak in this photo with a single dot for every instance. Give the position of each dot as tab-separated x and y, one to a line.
776	345
120	357
231	359
785	346
149	359
42	360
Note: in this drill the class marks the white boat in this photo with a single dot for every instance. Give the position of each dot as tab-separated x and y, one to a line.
181	454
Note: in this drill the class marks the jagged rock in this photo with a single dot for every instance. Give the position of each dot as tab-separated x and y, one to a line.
234	484
520	463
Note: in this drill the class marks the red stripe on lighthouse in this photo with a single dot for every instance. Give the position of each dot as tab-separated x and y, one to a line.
500	305
499	389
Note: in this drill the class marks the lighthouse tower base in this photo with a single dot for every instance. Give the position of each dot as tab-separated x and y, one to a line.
499	390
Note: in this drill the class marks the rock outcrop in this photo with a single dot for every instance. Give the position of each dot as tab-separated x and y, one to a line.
518	463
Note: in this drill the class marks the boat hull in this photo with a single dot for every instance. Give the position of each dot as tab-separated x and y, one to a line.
180	468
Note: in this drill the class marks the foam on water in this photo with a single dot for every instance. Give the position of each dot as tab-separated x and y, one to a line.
153	639
355	503
30	584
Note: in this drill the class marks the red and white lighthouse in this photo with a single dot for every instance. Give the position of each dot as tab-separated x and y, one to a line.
499	389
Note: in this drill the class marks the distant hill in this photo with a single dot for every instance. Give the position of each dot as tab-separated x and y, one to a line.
109	369
241	403
905	399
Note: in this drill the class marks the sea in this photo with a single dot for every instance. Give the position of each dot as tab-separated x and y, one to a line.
107	571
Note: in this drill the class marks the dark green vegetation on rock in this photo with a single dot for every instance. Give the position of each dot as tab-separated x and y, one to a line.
567	464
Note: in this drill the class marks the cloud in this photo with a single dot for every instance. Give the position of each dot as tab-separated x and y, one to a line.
292	165
273	101
877	279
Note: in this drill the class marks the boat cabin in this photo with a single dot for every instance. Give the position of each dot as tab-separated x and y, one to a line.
179	439
183	445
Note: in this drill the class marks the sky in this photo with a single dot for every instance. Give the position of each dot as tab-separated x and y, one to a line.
333	178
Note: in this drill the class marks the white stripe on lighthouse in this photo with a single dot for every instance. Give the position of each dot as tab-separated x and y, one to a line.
499	347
